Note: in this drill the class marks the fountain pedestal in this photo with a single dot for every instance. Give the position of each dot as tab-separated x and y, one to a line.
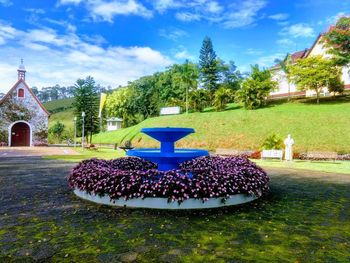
167	157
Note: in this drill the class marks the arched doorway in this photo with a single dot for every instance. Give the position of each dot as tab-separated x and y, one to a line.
20	134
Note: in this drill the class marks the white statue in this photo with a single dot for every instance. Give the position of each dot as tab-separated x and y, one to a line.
288	142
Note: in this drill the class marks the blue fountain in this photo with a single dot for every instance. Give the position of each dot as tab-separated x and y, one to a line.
167	157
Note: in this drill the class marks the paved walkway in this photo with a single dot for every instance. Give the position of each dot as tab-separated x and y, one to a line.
305	218
35	151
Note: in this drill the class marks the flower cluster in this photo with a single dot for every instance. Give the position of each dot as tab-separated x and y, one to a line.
201	178
132	163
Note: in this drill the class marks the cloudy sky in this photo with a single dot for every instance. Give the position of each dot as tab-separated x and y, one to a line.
116	41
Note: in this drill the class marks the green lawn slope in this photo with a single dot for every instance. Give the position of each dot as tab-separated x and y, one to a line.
62	111
58	105
324	127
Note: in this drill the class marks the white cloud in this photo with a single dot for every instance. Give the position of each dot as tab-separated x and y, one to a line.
285	42
187	16
231	15
173	33
7	32
214	7
298	30
35	10
66	2
243	14
269	60
333	19
254	52
52	58
279	16
6	2
163	5
106	11
183	54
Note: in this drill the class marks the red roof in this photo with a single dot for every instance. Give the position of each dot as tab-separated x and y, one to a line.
29	89
299	54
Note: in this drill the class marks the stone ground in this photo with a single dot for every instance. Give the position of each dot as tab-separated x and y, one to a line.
35	151
305	218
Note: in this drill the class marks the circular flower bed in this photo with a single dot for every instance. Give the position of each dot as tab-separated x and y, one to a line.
201	178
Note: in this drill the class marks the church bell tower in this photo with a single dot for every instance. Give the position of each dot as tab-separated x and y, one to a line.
21	71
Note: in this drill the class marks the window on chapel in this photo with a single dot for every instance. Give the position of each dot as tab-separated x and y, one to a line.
20	93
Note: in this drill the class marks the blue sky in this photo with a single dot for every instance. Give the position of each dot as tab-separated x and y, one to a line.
116	41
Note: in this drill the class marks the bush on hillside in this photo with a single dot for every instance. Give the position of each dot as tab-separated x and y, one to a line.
273	142
256	88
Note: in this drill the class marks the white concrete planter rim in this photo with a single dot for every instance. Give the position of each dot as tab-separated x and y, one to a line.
162	203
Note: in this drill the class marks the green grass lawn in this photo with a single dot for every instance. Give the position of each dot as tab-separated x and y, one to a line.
66	117
324	127
323	166
58	105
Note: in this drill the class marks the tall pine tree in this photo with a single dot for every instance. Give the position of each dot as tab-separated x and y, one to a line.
208	65
86	100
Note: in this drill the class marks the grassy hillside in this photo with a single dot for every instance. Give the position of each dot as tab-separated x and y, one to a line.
314	127
66	117
58	105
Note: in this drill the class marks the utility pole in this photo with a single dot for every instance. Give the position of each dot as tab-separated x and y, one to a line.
82	137
75	131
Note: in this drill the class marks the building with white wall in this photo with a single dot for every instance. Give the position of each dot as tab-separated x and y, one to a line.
286	89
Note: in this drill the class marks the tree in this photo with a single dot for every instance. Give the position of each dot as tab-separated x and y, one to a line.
337	40
284	67
336	85
120	104
57	130
208	65
231	76
314	73
187	75
221	97
256	88
198	99
86	100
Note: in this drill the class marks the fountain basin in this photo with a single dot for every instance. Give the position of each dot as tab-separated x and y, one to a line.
167	157
163	203
167	160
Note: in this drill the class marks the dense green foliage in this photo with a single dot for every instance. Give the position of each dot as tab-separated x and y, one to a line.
337	39
273	142
208	64
256	88
85	94
57	92
315	73
57	130
222	97
190	86
244	129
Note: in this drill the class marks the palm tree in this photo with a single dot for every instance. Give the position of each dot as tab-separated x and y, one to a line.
188	75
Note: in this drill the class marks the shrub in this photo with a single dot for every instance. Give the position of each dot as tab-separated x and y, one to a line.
273	142
201	178
256	88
